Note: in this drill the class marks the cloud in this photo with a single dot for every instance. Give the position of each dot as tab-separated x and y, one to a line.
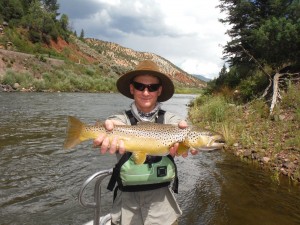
187	33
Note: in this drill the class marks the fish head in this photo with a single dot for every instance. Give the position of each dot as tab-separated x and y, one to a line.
203	139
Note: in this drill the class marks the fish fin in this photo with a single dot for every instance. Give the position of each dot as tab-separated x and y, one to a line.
75	126
182	148
138	157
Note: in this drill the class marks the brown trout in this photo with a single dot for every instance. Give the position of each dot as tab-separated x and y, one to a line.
146	138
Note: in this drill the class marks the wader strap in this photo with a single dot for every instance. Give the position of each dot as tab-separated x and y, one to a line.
160	116
133	120
176	181
113	180
116	171
115	177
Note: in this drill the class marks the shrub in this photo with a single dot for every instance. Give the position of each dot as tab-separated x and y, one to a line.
260	108
24	79
207	108
34	36
39	84
252	86
291	98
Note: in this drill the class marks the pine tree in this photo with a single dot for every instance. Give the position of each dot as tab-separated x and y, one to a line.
81	34
269	30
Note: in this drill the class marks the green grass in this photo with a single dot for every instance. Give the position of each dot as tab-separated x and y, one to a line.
187	90
62	79
250	126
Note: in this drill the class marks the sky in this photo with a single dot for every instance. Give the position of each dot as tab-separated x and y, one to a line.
187	33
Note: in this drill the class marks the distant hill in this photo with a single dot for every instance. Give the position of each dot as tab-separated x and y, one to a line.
121	58
201	77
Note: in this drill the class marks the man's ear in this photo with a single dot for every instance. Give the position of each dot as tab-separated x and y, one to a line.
131	89
159	90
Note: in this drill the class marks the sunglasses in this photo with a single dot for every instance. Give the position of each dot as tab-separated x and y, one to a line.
141	87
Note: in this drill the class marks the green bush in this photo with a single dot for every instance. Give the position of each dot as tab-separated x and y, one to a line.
291	98
252	86
260	108
35	36
207	108
70	78
24	79
39	84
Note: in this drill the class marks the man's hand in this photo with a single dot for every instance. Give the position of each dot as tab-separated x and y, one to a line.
173	150
103	141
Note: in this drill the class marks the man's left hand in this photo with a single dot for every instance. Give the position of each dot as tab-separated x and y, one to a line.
173	150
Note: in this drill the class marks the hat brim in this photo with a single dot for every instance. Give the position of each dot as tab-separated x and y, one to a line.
123	83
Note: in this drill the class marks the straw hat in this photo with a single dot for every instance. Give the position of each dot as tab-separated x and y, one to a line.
146	67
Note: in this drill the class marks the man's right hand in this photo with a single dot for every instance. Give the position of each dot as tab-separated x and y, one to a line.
103	141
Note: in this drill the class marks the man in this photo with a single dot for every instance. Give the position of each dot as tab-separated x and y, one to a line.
152	201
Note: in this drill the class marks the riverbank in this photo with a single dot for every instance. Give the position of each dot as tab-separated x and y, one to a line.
272	142
280	163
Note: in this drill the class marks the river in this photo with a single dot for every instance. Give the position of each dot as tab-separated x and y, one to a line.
40	181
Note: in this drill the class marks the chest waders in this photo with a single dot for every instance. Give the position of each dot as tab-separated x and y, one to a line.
156	172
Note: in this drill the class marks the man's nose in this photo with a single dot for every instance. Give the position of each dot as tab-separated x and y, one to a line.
146	91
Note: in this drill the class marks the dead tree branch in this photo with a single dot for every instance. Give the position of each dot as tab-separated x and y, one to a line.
262	69
277	83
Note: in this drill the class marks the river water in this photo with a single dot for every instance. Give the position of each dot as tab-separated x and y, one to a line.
40	181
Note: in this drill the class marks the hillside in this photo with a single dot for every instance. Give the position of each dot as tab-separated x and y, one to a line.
128	58
201	77
111	59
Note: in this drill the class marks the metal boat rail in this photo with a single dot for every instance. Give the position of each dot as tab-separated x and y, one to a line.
96	205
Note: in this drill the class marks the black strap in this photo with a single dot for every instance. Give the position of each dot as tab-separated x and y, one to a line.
176	180
160	116
145	187
133	120
116	170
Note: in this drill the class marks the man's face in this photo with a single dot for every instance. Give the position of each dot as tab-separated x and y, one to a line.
145	100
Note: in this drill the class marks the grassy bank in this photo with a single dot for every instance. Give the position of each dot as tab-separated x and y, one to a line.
65	79
69	78
251	134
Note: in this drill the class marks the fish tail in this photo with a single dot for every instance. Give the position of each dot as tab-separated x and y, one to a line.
74	130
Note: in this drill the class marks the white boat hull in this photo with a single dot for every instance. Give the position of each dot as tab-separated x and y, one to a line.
104	220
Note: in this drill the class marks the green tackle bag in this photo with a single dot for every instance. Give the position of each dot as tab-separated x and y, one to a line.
156	172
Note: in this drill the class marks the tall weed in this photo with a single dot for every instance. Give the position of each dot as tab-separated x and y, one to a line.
260	108
291	98
24	79
210	109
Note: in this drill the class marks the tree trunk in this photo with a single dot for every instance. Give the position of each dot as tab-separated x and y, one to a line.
275	92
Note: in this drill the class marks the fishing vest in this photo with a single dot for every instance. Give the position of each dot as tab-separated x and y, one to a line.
155	172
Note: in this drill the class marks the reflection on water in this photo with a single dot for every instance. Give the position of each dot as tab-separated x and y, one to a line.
40	181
